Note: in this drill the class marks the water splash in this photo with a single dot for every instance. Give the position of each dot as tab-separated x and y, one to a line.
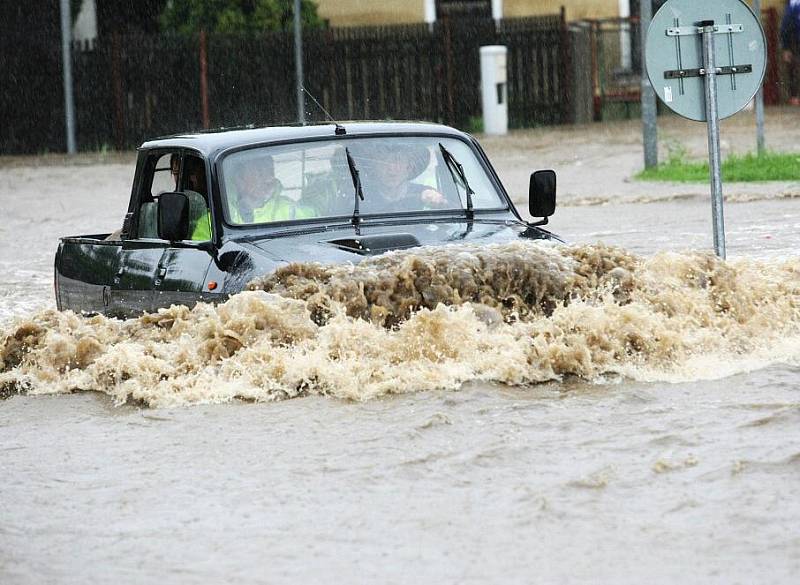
417	320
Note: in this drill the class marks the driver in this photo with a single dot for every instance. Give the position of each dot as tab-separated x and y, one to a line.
395	168
256	195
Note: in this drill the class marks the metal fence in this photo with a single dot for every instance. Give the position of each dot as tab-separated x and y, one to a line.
132	87
607	57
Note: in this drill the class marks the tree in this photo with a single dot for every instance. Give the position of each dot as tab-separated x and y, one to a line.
236	16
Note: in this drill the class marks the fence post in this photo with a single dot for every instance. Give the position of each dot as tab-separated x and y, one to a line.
772	91
204	79
119	98
448	40
566	69
597	103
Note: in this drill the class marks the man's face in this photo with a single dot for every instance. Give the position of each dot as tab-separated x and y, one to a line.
255	185
195	180
394	169
175	168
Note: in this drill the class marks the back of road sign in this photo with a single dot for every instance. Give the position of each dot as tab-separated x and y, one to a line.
675	55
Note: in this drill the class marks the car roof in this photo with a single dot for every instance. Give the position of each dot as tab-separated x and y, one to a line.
209	143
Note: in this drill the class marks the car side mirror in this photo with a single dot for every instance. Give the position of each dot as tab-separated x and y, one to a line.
542	196
173	217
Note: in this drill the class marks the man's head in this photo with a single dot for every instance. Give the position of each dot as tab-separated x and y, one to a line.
398	164
254	179
194	172
175	167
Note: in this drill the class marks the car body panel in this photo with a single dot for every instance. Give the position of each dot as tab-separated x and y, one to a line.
129	276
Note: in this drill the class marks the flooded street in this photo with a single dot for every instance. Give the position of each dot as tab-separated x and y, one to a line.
665	466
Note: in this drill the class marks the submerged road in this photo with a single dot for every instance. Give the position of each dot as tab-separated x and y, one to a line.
614	480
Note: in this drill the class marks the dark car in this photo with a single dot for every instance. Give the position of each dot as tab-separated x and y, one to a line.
209	212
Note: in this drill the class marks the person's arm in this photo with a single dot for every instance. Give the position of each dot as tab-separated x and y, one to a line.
427	195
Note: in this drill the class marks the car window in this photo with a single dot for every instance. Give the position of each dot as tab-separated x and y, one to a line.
312	180
194	175
165	174
161	176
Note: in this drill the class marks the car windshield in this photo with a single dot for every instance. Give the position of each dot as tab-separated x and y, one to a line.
314	180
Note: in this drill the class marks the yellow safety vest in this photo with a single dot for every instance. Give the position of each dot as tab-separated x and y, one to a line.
278	208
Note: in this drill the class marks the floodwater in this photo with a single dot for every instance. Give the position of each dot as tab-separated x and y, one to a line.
637	421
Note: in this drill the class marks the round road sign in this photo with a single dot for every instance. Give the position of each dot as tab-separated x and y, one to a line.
674	55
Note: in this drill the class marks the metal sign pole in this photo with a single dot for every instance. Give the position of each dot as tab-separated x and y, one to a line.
298	62
66	55
712	116
698	83
760	141
648	96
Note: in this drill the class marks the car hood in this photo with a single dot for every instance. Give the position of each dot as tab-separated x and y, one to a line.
346	243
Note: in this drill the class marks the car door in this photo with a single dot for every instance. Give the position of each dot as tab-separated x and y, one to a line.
181	277
133	288
85	268
182	269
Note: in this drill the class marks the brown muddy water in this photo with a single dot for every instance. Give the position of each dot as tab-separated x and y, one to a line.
618	413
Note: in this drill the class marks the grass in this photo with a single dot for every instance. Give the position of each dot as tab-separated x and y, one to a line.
770	166
475	125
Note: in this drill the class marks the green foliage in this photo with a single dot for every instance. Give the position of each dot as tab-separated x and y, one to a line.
235	16
676	153
475	125
771	166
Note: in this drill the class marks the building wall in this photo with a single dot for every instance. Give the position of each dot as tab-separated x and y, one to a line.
373	12
576	9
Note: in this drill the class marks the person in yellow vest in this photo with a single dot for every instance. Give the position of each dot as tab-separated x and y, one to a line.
255	195
195	188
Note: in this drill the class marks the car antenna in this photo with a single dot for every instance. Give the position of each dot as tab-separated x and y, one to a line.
340	130
356	185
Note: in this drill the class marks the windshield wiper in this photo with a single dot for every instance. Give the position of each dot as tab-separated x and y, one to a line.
356	185
457	172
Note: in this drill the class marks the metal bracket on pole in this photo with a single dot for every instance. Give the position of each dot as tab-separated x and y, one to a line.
683	73
722	29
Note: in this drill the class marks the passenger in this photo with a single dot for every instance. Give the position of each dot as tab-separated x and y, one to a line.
257	195
175	168
197	191
394	170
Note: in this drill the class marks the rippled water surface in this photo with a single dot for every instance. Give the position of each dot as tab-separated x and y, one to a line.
665	452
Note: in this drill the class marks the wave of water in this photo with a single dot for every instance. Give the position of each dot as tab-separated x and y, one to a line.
416	320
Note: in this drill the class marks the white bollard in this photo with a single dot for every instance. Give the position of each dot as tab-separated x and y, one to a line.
497	10
430	13
494	89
